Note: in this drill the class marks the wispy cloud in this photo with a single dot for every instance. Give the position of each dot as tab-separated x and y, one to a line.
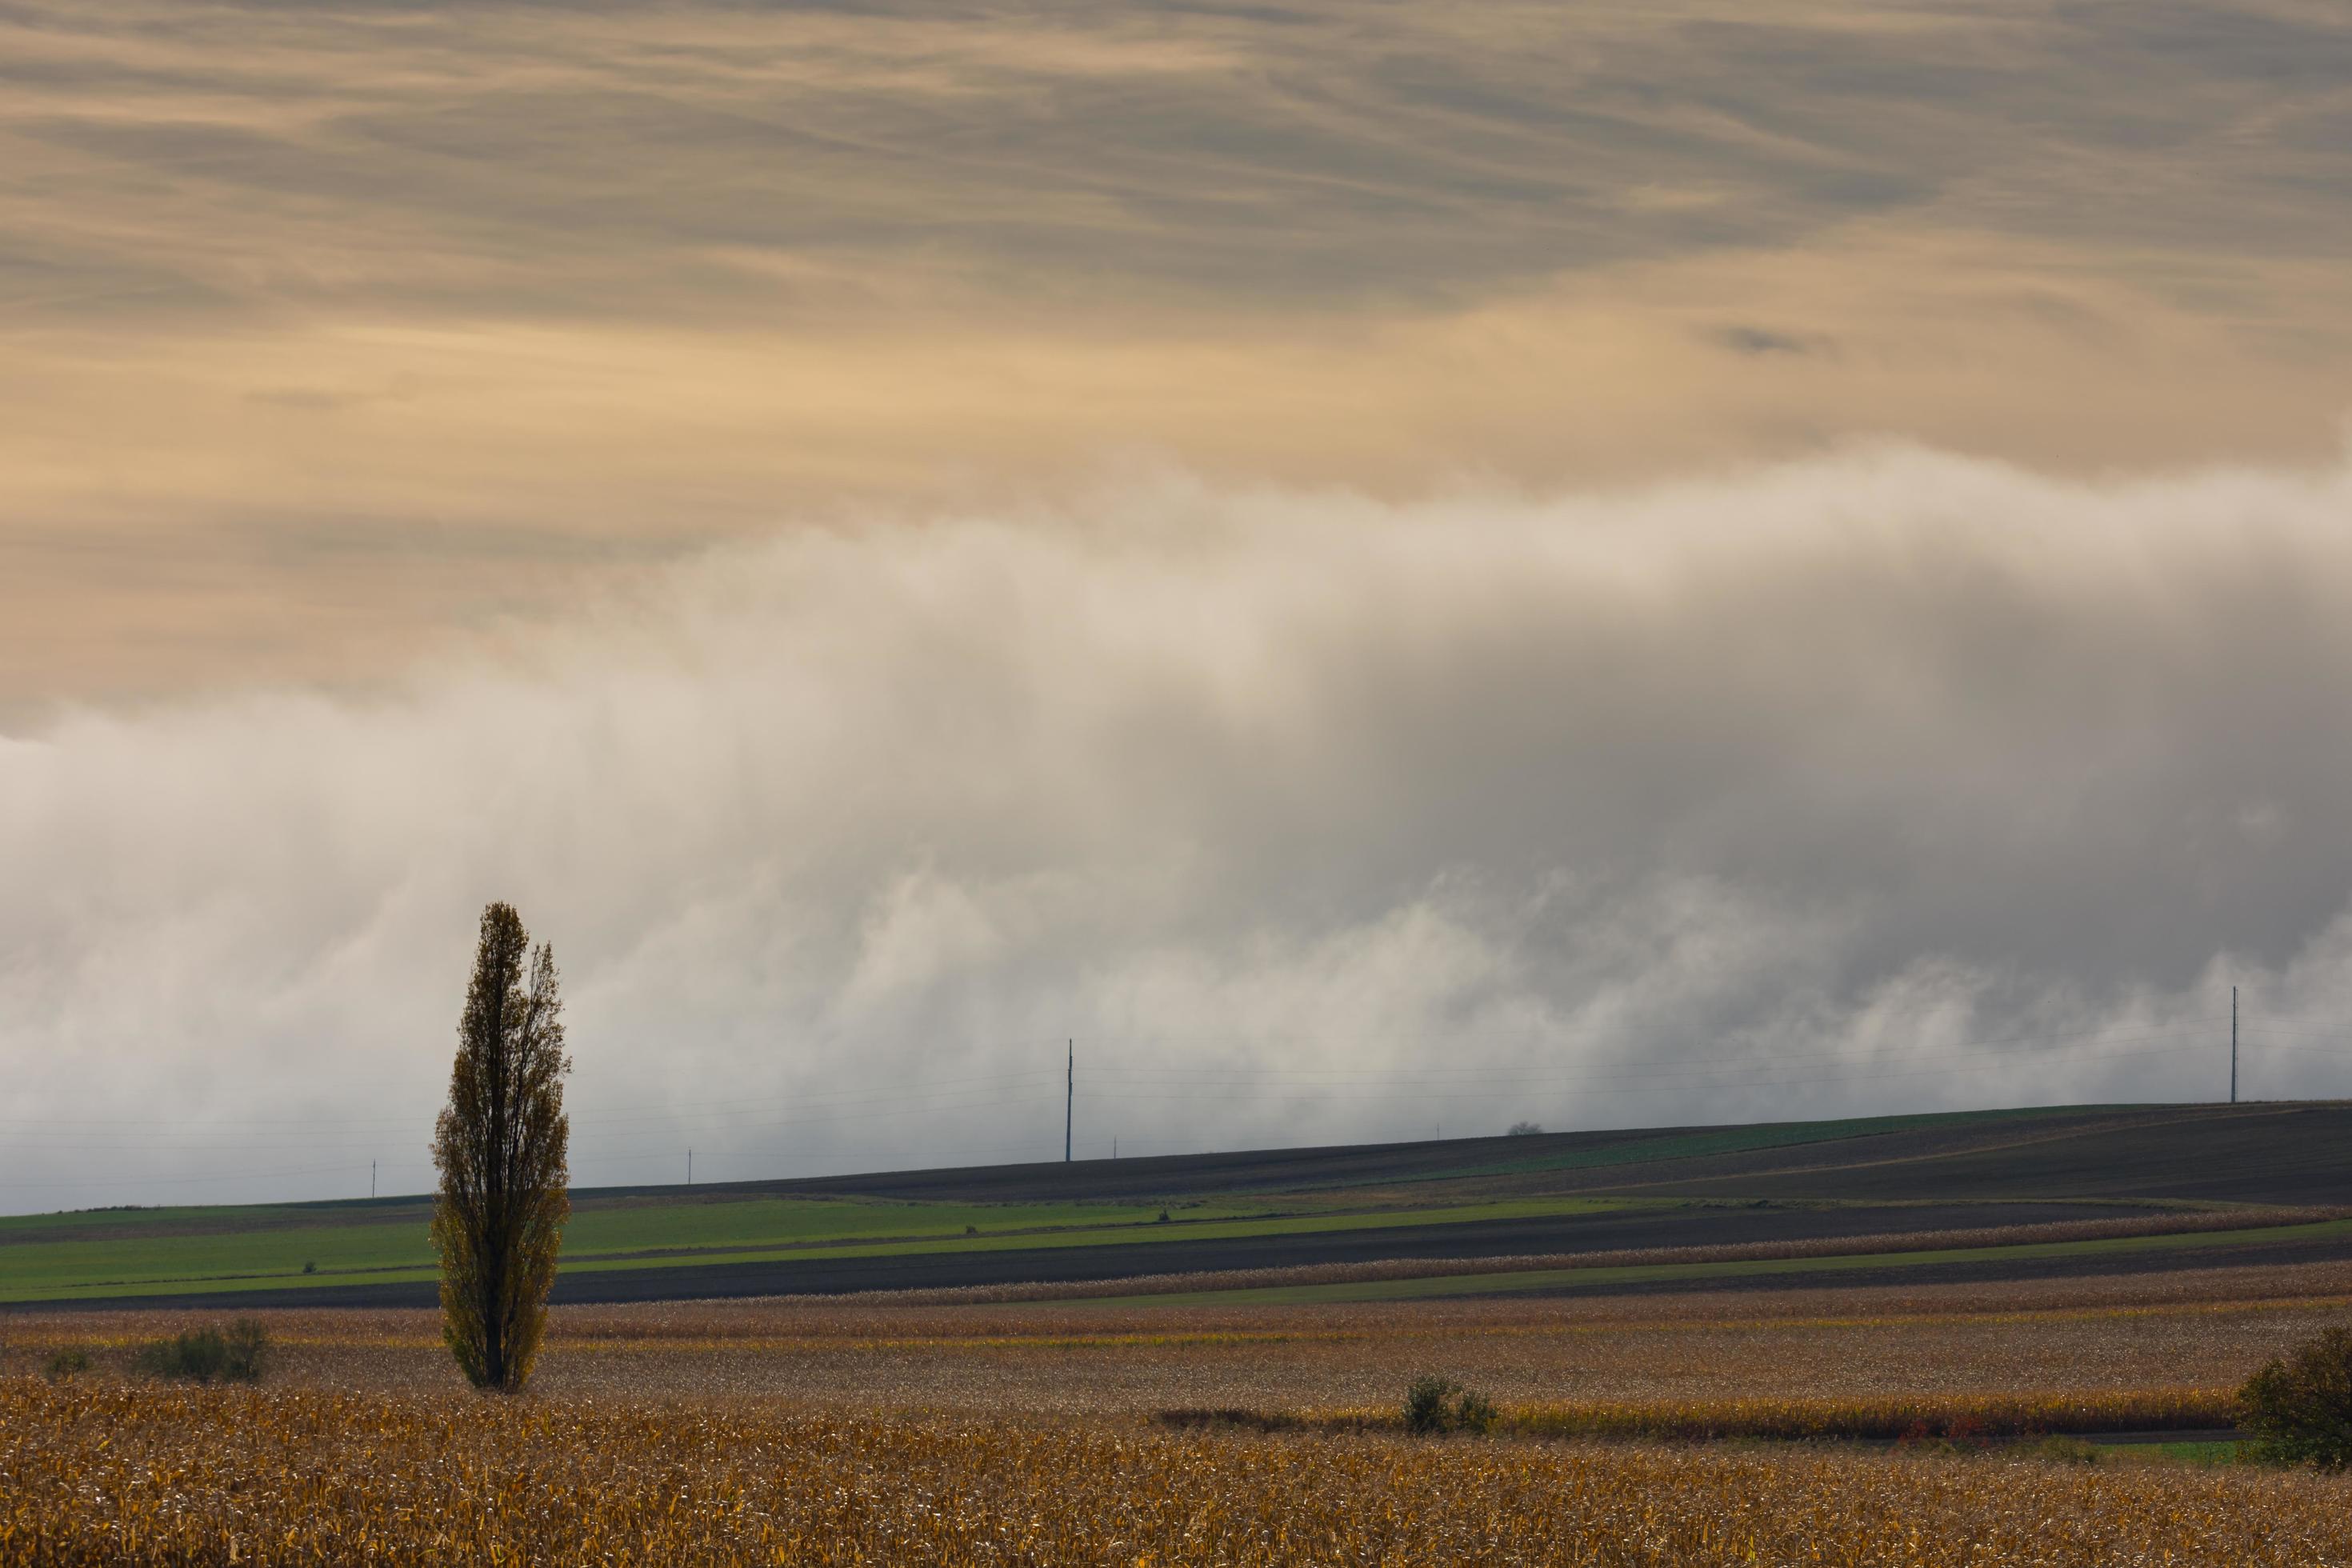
670	275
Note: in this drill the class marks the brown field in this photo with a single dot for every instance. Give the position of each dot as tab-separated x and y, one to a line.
112	1474
831	1431
2196	1328
2159	1223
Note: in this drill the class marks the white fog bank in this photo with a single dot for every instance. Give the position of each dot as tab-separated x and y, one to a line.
1893	780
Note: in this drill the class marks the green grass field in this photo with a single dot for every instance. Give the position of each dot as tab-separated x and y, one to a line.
139	1252
272	1253
2206	1455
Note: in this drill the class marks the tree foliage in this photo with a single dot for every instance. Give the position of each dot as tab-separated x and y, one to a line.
2299	1407
501	1148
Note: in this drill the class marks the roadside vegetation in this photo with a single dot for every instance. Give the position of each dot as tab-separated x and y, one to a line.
2046	1426
2299	1407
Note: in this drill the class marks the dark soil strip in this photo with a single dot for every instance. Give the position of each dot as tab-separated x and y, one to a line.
1993	1270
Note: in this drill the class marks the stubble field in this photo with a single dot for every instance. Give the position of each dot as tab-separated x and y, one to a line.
1052	1432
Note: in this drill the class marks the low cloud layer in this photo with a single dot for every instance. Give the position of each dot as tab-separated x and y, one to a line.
1892	780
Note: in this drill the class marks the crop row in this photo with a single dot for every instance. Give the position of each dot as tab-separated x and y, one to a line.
2054	1233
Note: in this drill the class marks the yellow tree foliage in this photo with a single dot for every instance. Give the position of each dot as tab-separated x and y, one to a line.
500	1147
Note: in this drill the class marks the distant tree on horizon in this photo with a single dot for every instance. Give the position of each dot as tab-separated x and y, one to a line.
501	1146
1524	1129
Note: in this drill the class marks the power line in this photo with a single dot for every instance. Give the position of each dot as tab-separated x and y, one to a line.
2011	1044
1642	1087
1149	1076
656	1127
1721	1073
187	1181
2023	1041
932	1087
1761	1075
1179	1084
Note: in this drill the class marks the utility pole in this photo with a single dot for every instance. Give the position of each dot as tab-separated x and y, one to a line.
370	1178
1070	1101
2233	1044
689	1167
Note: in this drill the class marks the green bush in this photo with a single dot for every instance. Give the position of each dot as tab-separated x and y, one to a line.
203	1355
1436	1406
1425	1405
197	1355
69	1363
2299	1407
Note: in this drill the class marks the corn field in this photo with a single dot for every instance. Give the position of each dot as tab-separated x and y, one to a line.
99	1473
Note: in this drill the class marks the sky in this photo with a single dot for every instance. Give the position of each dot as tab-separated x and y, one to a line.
1384	569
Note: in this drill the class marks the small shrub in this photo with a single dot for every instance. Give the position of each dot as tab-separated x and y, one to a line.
197	1355
2299	1407
1524	1129
1436	1406
1424	1404
308	1266
203	1355
1163	1220
71	1362
247	1345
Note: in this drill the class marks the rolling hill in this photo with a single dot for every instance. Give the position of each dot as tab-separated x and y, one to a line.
1815	1186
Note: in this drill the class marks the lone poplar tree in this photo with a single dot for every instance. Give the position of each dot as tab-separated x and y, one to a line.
500	1147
